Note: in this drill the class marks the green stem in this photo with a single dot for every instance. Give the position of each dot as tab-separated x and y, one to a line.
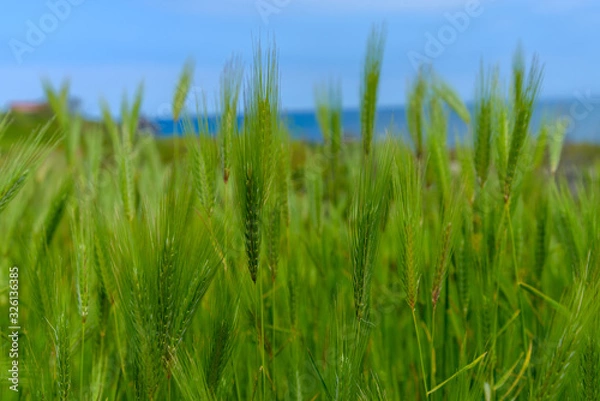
262	335
121	357
433	362
499	236
465	368
556	305
519	295
420	354
82	360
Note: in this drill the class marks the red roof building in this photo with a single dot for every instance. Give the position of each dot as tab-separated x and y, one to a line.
29	107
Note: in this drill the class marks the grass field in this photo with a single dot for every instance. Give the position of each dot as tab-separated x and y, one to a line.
247	266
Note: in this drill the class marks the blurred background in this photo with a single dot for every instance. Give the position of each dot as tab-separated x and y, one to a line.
106	49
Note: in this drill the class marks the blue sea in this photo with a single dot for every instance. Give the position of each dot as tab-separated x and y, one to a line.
583	122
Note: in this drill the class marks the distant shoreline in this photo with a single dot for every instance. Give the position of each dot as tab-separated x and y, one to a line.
303	124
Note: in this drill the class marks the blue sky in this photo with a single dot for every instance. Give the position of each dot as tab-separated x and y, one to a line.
108	47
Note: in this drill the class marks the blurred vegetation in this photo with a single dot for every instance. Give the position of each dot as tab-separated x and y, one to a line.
249	266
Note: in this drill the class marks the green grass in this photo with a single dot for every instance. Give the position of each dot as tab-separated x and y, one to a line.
252	267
